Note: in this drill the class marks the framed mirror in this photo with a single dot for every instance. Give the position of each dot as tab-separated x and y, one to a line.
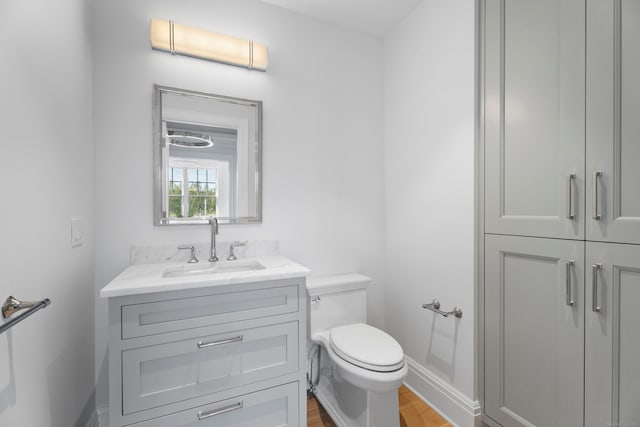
207	158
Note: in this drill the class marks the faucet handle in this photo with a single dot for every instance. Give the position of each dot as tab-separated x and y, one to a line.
233	245
193	252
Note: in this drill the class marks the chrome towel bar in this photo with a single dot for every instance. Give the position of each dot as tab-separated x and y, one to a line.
435	307
12	304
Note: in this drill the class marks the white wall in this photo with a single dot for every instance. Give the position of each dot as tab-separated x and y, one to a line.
429	159
46	361
323	137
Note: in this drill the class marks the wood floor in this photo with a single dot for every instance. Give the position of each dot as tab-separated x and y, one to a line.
413	412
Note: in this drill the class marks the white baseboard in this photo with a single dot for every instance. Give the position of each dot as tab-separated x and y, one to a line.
93	421
102	414
327	405
457	408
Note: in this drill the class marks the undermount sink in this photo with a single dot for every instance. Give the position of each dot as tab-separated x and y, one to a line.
218	268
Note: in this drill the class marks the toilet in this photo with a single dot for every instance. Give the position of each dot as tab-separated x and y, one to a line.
360	367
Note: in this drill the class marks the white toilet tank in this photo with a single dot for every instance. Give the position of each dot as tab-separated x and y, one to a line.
336	301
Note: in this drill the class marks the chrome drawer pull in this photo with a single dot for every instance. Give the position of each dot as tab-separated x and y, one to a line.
221	342
569	301
570	179
594	296
207	414
597	216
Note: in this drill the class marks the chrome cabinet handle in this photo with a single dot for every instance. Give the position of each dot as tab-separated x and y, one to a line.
569	264
220	342
570	179
207	414
594	288
596	215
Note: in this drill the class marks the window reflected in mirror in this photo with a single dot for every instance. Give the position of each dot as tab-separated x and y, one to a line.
208	157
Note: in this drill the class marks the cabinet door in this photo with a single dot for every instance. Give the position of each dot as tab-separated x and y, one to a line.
534	114
534	331
613	121
612	368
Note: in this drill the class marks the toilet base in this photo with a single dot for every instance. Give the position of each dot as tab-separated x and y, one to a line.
351	406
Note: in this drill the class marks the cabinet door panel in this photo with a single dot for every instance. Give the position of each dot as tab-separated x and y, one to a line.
612	381
533	337
150	318
613	127
534	117
176	371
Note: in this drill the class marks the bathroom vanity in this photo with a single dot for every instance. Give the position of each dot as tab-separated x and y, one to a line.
208	344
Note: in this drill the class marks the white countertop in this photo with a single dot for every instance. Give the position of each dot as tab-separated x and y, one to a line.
147	278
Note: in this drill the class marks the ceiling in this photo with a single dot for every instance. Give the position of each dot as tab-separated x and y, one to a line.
375	17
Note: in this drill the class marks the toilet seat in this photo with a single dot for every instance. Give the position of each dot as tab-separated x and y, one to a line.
367	347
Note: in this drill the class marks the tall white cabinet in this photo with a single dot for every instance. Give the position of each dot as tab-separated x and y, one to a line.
560	258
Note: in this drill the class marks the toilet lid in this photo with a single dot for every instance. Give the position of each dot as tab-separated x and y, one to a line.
367	347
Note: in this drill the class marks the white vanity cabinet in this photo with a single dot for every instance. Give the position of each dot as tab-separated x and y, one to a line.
222	355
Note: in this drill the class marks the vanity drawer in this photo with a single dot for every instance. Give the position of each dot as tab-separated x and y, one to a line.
158	317
172	372
273	407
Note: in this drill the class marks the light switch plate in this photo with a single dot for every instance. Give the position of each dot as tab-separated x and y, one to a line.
77	232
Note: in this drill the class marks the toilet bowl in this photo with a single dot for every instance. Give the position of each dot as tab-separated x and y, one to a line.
361	367
368	357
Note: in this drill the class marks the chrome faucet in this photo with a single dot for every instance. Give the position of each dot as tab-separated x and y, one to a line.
193	252
232	256
214	230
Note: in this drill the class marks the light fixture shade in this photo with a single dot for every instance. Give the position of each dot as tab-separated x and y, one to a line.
176	38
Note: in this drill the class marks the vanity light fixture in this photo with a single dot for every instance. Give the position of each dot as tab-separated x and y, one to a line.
180	39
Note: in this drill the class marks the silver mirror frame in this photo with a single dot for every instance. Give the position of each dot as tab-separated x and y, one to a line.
158	184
